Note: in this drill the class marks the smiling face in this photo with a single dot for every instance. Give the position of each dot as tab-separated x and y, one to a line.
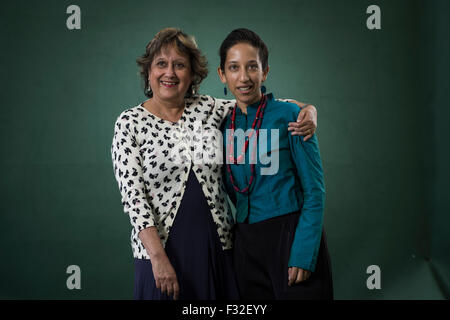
243	73
170	75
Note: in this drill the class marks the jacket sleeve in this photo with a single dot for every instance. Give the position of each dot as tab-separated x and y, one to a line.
305	247
128	171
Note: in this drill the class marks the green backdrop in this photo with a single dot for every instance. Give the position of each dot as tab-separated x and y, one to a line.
382	100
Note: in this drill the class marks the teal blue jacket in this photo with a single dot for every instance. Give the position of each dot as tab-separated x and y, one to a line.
297	184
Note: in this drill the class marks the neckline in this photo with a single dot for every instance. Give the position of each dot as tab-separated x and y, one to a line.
256	104
161	120
252	106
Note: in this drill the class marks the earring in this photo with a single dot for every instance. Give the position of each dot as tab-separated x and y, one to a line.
263	89
225	90
191	92
148	91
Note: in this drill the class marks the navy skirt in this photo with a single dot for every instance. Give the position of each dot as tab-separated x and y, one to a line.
204	271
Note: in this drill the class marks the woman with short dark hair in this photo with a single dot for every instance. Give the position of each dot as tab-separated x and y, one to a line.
280	250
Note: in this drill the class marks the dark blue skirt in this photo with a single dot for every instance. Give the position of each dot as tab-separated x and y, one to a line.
204	271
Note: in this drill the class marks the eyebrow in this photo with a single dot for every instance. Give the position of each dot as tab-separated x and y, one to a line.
251	61
175	60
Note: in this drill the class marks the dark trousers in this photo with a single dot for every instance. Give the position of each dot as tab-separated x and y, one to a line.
261	255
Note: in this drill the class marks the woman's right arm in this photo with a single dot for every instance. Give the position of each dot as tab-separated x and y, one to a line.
128	171
163	272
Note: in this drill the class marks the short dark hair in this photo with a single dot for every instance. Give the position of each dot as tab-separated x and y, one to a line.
185	44
247	36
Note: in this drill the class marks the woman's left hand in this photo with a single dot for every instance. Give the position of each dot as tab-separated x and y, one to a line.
306	124
297	275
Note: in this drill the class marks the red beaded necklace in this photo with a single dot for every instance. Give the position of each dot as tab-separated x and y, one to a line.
256	123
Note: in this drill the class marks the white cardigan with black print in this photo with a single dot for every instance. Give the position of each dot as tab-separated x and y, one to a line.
152	158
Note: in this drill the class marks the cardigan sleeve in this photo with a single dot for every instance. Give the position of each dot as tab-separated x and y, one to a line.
228	186
223	107
128	171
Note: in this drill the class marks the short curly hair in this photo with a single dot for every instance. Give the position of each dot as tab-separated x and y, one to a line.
185	44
